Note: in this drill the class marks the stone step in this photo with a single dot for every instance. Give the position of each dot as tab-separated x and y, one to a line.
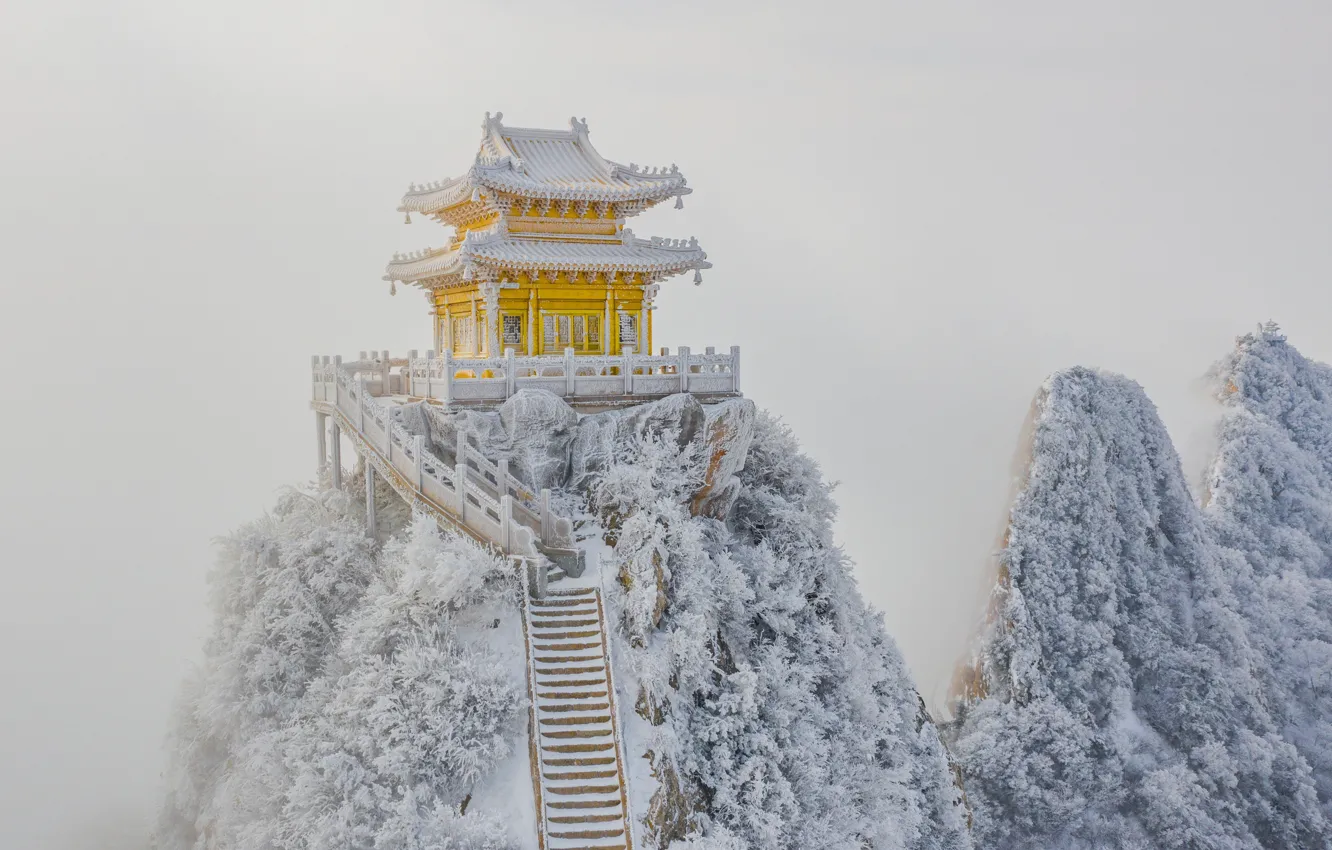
589	592
589	833
571	694
583	804
578	748
583	818
566	671
580	774
580	790
574	706
558	602
573	683
599	761
590	720
568	659
559	734
568	635
562	612
566	647
561	624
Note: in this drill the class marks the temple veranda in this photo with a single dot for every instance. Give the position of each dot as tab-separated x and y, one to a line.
540	287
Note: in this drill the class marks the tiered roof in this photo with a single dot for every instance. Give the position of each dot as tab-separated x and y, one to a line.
495	252
551	166
559	165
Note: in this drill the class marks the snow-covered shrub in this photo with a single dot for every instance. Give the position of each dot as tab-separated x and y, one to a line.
1116	699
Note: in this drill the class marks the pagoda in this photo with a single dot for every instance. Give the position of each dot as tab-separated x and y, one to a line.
542	301
540	261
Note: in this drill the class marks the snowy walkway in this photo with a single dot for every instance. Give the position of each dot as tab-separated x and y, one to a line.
576	747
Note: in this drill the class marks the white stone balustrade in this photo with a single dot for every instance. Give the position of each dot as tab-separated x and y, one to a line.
475	493
570	376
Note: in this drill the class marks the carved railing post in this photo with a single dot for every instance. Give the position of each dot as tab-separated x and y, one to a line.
360	402
506	521
418	449
448	376
628	373
569	372
502	476
321	433
337	455
510	374
409	376
460	490
545	515
369	498
735	368
684	368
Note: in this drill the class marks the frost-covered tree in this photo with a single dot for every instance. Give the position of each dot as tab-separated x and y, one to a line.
360	695
1270	507
278	590
351	695
784	716
1115	699
422	707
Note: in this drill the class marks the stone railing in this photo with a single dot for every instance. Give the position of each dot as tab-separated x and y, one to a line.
476	493
571	376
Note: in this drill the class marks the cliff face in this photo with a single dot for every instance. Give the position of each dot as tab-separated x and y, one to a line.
370	694
775	708
1116	698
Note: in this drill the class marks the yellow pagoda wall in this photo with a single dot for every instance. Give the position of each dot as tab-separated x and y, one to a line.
561	294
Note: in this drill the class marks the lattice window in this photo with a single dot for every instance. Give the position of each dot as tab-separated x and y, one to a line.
511	331
628	331
464	335
579	331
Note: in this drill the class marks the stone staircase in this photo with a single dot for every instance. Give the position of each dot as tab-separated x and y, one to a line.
577	756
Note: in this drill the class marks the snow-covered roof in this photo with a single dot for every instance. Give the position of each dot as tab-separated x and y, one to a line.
503	251
546	164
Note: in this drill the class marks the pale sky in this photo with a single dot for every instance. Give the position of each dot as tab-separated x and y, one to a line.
916	211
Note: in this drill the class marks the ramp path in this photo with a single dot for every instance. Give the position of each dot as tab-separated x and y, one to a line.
577	752
575	745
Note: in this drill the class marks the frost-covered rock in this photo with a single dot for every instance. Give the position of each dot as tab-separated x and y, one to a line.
1115	699
540	428
1270	507
727	434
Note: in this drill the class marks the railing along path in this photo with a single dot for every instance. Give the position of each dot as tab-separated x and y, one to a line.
475	493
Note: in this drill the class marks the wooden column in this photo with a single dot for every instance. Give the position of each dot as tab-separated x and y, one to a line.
532	319
610	314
